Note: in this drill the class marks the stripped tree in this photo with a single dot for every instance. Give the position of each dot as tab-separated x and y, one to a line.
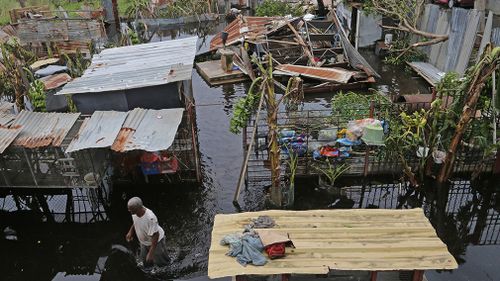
473	86
406	15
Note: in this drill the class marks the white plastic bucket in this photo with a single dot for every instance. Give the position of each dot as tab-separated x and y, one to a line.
388	39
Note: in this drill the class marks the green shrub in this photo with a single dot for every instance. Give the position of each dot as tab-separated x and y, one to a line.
270	8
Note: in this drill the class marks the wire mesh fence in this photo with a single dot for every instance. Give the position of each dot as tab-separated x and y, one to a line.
367	160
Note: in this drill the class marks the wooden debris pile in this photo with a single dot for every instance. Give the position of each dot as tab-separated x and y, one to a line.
315	50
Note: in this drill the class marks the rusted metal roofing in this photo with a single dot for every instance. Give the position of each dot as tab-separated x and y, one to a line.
39	129
137	66
55	81
98	131
138	129
362	239
149	130
248	28
329	74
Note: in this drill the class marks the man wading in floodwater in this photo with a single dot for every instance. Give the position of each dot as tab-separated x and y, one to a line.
149	233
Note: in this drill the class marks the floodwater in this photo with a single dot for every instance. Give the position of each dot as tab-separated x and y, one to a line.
465	215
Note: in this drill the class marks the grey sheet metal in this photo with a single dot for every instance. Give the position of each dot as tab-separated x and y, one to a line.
495	36
428	72
468	42
148	130
137	66
486	35
356	60
7	136
459	20
98	131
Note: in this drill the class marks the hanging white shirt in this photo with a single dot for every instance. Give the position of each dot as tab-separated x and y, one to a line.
146	226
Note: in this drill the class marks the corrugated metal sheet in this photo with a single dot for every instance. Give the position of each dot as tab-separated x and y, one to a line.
486	35
149	130
98	131
55	81
6	119
432	23
40	129
495	36
41	63
137	66
438	51
469	40
362	239
249	28
428	72
459	18
321	73
7	136
355	59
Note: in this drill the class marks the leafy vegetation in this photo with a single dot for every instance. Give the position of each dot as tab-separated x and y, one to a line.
15	80
396	57
270	8
351	105
244	108
37	95
76	64
332	171
183	8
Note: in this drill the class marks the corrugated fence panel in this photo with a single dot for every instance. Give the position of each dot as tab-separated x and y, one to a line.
486	35
439	51
431	24
495	36
459	18
469	39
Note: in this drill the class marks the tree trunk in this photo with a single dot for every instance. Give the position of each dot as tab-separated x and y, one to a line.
274	149
468	113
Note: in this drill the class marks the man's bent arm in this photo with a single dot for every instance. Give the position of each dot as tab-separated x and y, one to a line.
154	242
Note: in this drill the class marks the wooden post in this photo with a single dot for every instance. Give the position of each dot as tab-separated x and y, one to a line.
303	44
354	26
418	275
367	153
241	278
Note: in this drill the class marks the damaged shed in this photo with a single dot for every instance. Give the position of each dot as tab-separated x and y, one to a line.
143	141
318	51
153	76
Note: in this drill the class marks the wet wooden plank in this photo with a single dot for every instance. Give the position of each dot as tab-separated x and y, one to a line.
213	73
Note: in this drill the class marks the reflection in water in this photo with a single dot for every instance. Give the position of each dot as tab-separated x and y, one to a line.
463	213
